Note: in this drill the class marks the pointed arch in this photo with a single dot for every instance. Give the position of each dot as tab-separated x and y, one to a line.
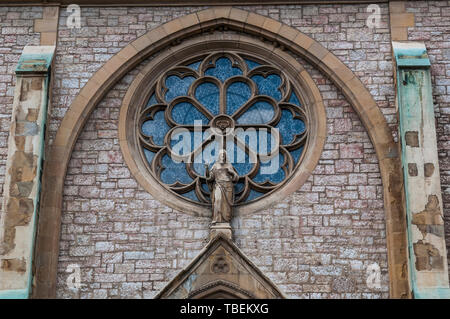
59	153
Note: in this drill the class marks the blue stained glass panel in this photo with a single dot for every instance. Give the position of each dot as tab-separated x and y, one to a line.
269	85
208	156
185	113
294	99
174	172
238	187
251	64
223	70
199	168
249	137
237	94
266	143
239	158
194	65
289	127
152	100
191	195
177	86
260	112
270	170
187	139
253	195
149	155
297	153
181	142
260	141
208	95
157	128
205	187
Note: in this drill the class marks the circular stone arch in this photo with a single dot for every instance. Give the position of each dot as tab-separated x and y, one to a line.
162	38
139	93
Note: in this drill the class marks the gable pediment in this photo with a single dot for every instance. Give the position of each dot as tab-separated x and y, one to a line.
221	270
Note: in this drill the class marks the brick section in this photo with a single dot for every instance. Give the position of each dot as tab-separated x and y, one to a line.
315	244
127	244
47	26
432	25
322	238
342	30
16	31
103	33
400	20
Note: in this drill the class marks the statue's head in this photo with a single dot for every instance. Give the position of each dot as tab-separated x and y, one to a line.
222	156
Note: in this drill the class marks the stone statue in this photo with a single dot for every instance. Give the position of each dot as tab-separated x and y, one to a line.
220	180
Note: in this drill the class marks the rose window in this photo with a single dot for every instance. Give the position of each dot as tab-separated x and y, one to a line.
222	101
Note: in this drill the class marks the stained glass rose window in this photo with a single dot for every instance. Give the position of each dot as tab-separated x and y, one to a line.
225	101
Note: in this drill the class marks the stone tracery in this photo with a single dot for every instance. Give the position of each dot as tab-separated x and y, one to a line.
232	96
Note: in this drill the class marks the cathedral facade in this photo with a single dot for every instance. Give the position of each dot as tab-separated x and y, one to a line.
203	149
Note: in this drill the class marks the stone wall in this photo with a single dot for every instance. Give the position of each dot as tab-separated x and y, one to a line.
317	243
16	31
432	24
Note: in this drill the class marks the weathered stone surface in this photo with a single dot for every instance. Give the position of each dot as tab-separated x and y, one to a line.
175	238
412	139
21	185
428	169
221	270
416	110
429	217
431	25
282	241
412	169
17	265
427	257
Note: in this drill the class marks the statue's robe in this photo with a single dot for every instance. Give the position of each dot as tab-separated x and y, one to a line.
222	193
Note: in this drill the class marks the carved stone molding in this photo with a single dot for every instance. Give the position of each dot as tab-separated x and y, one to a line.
220	270
295	79
220	289
158	40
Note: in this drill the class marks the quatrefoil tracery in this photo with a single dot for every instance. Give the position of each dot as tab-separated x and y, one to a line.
223	117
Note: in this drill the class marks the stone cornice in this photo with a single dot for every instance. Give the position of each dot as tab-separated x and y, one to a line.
180	2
